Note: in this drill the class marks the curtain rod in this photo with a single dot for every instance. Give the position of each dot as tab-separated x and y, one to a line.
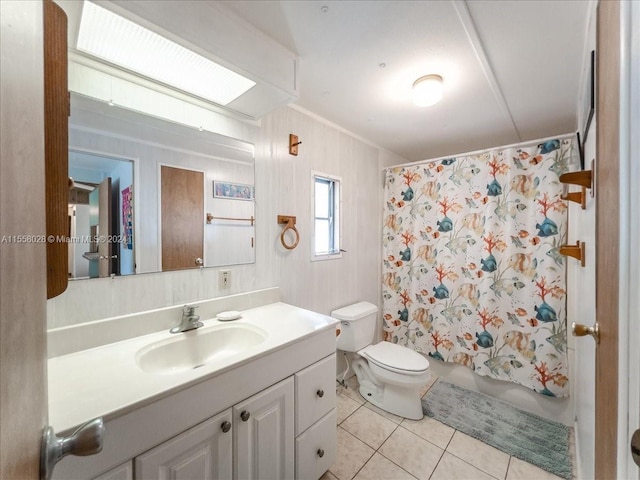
478	152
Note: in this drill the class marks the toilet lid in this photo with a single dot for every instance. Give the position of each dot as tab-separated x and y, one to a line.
395	357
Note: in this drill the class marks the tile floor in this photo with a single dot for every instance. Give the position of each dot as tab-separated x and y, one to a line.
376	445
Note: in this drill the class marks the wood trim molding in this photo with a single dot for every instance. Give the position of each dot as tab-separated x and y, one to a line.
470	29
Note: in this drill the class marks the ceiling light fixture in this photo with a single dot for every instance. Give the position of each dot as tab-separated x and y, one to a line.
122	42
427	90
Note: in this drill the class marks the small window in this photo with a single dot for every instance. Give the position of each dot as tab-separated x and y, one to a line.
326	215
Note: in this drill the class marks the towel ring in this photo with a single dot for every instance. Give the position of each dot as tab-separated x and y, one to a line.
290	225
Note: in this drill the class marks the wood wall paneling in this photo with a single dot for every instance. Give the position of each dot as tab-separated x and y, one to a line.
283	185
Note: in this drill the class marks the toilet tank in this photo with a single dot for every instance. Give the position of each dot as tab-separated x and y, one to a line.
358	325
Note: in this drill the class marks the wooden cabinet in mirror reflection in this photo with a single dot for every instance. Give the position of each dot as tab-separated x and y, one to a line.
56	132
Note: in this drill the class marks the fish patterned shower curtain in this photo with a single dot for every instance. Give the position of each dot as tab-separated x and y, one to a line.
472	272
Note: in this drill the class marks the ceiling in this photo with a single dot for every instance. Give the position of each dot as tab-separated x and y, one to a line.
511	69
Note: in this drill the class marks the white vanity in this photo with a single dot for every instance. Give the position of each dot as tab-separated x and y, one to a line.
262	409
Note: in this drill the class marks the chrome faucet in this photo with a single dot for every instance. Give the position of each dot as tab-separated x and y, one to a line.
189	321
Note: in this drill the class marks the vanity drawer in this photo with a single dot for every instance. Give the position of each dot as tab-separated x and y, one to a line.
316	448
315	392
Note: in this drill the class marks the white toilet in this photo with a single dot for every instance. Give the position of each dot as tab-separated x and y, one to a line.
390	376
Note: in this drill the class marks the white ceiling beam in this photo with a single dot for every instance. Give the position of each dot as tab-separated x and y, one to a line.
476	43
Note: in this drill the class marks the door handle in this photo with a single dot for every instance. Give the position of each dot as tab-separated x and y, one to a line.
199	261
580	330
635	447
86	440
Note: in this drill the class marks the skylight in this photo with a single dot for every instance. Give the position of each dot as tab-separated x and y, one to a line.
120	41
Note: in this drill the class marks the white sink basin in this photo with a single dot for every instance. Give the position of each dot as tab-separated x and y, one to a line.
197	348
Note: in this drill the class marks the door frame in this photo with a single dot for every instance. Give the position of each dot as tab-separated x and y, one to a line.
610	348
629	325
617	356
135	161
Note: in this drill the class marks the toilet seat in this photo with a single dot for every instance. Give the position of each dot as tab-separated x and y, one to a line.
395	358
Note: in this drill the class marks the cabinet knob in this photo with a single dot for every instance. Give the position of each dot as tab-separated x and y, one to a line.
226	426
245	415
320	452
320	393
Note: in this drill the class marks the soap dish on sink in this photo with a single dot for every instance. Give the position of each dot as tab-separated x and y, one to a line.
229	315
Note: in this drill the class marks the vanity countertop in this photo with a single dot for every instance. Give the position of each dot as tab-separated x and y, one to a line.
107	382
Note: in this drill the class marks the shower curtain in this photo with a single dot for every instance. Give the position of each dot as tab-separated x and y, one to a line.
472	272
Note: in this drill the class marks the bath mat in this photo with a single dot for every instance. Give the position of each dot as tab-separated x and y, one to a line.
531	438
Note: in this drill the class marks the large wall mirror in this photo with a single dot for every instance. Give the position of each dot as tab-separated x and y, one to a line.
148	195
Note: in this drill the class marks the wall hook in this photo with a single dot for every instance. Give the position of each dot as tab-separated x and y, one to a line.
293	144
583	178
576	251
290	224
577	197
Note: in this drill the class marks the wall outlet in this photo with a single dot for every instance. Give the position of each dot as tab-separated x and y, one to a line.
224	278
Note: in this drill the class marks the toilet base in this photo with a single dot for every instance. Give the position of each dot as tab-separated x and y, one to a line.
403	401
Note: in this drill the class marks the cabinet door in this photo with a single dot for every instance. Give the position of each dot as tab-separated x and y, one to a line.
121	472
264	447
316	448
56	146
202	452
315	392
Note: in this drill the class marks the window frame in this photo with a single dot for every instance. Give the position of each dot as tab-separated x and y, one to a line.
335	215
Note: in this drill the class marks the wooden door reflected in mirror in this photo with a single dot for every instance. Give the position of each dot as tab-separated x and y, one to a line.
182	218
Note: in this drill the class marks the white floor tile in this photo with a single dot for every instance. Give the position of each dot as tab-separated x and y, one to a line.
413	449
328	476
346	406
432	430
351	455
479	454
389	416
379	467
521	470
370	427
451	467
412	453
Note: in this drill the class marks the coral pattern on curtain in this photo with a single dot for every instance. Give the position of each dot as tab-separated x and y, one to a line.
472	272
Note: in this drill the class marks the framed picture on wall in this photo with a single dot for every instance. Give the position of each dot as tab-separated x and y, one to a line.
234	191
588	99
127	217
